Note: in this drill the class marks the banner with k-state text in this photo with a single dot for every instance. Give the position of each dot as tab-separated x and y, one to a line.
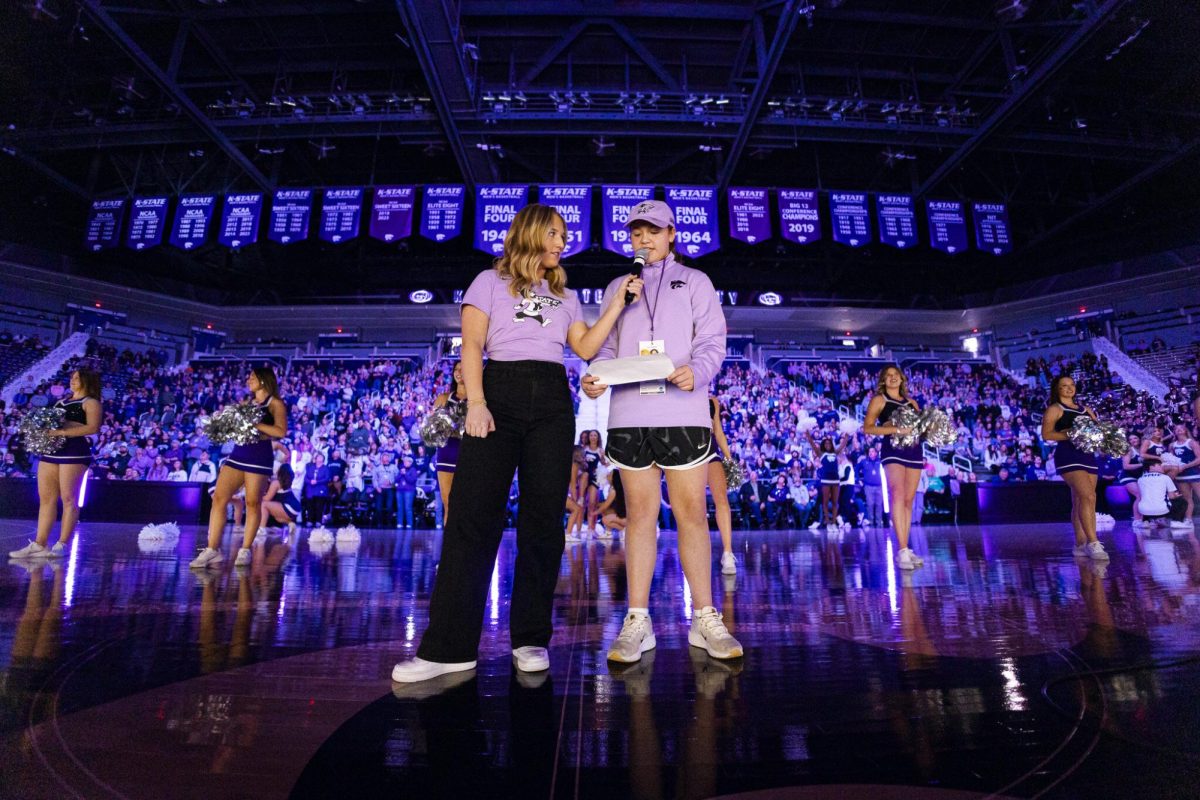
104	224
192	216
800	215
341	214
146	223
239	219
495	207
851	218
392	213
615	203
442	212
991	228
947	225
697	230
749	215
897	220
574	202
291	211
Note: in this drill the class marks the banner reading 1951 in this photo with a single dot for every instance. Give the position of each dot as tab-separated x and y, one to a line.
697	232
615	203
442	212
104	224
851	218
291	211
495	207
574	203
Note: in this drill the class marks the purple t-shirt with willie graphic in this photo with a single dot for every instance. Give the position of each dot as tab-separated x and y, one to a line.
529	328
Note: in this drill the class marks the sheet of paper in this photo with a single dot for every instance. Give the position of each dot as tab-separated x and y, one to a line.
634	369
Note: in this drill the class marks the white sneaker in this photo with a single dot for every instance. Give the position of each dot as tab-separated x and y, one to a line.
814	526
572	538
207	556
532	659
1095	550
839	519
418	669
728	564
635	638
28	551
598	526
243	557
1181	525
56	551
709	632
604	533
907	559
1080	551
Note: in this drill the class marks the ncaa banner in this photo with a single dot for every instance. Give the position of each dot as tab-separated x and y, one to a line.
799	215
697	232
615	204
991	228
291	210
341	214
192	215
574	203
146	223
442	212
239	219
392	213
495	207
851	218
749	215
897	220
104	225
947	225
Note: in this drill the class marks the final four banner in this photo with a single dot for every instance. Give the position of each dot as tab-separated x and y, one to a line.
897	220
239	219
575	205
192	215
749	215
146	223
800	215
442	212
495	207
615	203
697	231
341	214
104	224
291	210
392	213
851	218
991	228
947	225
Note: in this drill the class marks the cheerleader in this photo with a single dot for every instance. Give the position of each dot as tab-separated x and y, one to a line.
594	453
1131	469
1153	449
248	467
1076	467
60	474
446	458
826	462
901	465
577	490
1187	476
720	489
280	502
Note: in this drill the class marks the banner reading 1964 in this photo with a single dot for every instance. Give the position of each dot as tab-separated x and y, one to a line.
799	215
104	224
575	205
239	219
749	215
291	211
495	207
392	212
341	213
192	215
696	230
615	203
991	228
947	225
146	222
442	212
897	220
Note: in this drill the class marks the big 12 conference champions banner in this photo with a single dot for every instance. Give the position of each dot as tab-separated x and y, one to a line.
291	210
341	213
146	223
851	218
104	224
495	207
800	215
574	203
392	213
192	215
947	225
749	215
239	219
897	220
697	231
991	228
442	212
615	204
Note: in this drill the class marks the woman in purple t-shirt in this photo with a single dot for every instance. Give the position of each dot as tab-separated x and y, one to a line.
520	418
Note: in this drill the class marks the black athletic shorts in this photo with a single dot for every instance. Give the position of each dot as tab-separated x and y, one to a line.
638	449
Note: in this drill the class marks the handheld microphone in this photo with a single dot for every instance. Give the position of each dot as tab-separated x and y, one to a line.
639	261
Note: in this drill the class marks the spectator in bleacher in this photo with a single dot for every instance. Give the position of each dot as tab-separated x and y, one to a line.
406	491
158	470
902	465
316	490
753	495
1076	467
779	502
177	474
383	489
203	470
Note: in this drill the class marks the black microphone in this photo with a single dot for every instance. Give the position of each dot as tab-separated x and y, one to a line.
639	261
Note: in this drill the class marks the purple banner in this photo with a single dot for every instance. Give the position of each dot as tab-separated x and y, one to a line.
291	210
991	228
192	215
239	219
442	212
495	207
146	222
851	218
392	213
897	220
800	215
341	214
947	225
615	203
697	230
749	215
575	205
104	224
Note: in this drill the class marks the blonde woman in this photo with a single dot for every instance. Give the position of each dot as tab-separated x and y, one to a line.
901	465
520	418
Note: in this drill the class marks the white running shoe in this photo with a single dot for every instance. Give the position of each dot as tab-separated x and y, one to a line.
28	551
635	638
532	659
56	551
907	559
207	556
728	564
1080	551
604	533
1095	550
418	669
1182	525
243	557
709	632
572	538
815	526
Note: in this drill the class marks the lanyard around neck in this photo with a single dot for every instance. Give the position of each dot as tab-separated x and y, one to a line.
652	309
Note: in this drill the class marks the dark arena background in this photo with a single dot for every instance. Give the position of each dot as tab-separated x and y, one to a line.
988	194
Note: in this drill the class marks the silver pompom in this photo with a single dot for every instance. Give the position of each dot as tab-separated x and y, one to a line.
735	473
906	417
234	423
34	426
1115	442
935	427
1104	438
439	426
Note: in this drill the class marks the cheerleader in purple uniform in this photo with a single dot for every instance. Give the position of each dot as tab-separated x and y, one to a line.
250	466
446	458
1076	467
60	474
1185	449
901	465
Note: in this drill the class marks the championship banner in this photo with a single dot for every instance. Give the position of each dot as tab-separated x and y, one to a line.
615	203
851	218
495	207
392	213
341	213
800	215
146	223
442	212
697	231
291	210
575	205
749	215
104	224
192	215
991	228
239	219
947	225
897	220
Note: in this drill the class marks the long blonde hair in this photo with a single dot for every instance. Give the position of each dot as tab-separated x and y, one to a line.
881	387
524	247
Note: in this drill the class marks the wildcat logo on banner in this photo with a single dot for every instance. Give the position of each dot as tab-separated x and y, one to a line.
799	215
391	213
749	215
192	215
615	204
897	220
696	229
851	218
575	205
341	214
991	228
947	225
239	220
291	210
146	222
104	224
442	212
495	207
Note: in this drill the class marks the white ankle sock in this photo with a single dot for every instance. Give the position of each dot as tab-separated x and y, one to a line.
645	612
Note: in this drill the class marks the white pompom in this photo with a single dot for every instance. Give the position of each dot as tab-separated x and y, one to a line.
806	424
849	426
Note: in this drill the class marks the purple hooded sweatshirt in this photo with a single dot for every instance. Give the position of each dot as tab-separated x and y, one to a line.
689	319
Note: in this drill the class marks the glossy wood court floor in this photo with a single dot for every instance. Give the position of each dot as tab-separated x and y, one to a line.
1003	667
